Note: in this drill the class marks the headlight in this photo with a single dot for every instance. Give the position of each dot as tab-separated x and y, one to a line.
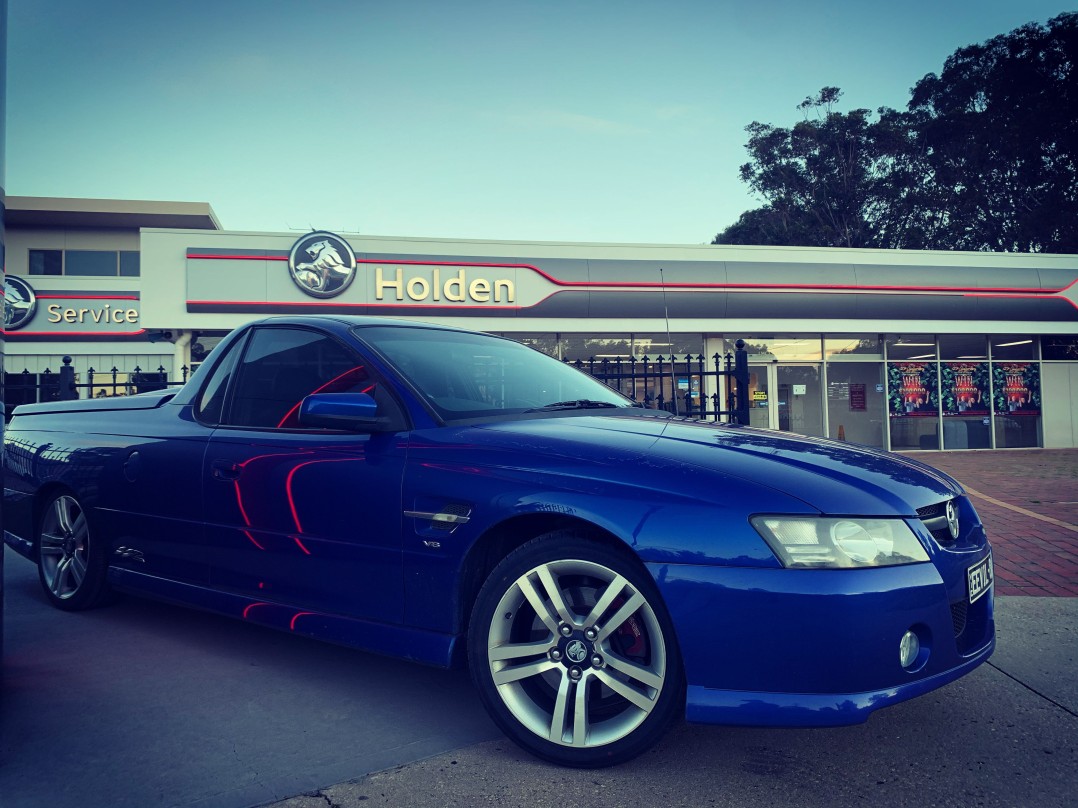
801	541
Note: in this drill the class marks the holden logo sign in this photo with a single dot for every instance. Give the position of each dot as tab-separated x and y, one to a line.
322	264
20	302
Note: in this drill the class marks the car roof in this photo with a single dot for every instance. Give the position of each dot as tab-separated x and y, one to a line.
355	320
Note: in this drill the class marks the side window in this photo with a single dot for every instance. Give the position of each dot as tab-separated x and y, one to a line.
212	401
282	366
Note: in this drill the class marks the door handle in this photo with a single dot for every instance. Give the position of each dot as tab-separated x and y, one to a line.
225	470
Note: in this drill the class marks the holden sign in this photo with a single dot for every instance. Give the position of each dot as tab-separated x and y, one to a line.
20	303
322	264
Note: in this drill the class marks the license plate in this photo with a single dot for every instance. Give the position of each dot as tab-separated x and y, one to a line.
980	578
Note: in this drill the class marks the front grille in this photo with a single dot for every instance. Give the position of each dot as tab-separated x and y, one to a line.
928	511
959	612
934	518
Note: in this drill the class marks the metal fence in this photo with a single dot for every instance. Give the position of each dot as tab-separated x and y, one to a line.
65	384
680	384
684	385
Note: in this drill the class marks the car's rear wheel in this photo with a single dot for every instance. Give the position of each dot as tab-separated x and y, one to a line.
574	653
71	567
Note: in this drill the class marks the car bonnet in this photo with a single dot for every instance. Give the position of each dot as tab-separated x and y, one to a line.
832	476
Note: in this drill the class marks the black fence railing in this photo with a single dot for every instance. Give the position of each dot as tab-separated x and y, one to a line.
677	384
65	384
680	384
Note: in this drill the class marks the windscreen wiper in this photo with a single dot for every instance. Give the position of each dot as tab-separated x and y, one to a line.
579	404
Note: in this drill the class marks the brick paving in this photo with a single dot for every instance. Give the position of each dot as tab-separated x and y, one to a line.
1028	501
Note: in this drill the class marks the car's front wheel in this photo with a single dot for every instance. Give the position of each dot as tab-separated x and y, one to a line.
574	653
71	567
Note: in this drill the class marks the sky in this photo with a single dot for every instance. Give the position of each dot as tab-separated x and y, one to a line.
616	121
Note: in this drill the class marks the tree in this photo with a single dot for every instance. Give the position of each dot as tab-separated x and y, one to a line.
819	178
985	157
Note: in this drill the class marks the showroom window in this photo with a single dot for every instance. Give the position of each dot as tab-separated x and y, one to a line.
853	347
913	401
85	263
1016	403
965	391
1012	347
1059	348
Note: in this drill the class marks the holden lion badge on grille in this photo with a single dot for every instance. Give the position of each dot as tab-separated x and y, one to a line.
952	519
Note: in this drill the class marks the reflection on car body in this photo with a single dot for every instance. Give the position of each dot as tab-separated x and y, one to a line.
453	497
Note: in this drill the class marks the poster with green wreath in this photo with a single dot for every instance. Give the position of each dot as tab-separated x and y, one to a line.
964	387
1016	388
912	389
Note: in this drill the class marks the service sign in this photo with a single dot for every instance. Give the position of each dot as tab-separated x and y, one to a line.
43	313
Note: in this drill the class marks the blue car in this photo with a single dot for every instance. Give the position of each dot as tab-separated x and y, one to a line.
456	498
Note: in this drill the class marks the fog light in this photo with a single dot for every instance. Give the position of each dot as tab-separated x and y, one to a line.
908	649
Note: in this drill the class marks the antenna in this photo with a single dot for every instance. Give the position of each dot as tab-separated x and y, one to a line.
669	339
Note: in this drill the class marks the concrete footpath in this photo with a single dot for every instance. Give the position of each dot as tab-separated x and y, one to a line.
1006	735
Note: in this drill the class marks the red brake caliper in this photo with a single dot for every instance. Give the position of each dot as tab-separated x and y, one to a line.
630	637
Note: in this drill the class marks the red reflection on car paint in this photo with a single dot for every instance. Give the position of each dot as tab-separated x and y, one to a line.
239	494
251	538
295	617
301	545
250	606
288	484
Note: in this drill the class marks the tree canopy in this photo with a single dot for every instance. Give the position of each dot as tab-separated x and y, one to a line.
984	157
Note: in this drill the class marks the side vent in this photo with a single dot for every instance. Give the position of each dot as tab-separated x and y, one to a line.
442	521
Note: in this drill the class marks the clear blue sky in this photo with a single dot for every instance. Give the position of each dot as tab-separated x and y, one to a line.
557	120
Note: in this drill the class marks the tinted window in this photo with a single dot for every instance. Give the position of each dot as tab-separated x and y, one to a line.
962	346
1059	347
90	262
129	264
1013	347
282	366
463	375
212	401
46	262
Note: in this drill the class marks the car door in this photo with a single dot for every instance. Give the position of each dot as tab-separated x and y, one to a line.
150	510
309	518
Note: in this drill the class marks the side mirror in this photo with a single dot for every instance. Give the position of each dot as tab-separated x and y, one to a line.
354	412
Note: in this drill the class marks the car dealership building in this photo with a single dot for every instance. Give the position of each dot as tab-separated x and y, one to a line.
898	349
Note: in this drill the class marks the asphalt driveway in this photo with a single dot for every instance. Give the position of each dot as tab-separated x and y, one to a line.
143	704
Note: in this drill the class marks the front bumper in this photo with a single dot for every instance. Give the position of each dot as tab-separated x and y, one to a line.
777	647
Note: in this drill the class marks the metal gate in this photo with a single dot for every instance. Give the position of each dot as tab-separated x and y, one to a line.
680	385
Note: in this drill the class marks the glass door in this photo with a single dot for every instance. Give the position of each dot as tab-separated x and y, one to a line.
759	402
799	403
787	397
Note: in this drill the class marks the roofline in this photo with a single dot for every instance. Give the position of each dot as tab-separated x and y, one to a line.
47	211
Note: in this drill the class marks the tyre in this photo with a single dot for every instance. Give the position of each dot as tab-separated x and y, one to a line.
70	564
574	654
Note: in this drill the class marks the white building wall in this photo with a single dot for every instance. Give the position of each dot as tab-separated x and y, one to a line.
1059	392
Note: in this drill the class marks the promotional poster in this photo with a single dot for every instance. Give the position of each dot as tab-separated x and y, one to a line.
913	389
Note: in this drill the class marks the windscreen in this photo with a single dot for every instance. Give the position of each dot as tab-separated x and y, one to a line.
463	375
